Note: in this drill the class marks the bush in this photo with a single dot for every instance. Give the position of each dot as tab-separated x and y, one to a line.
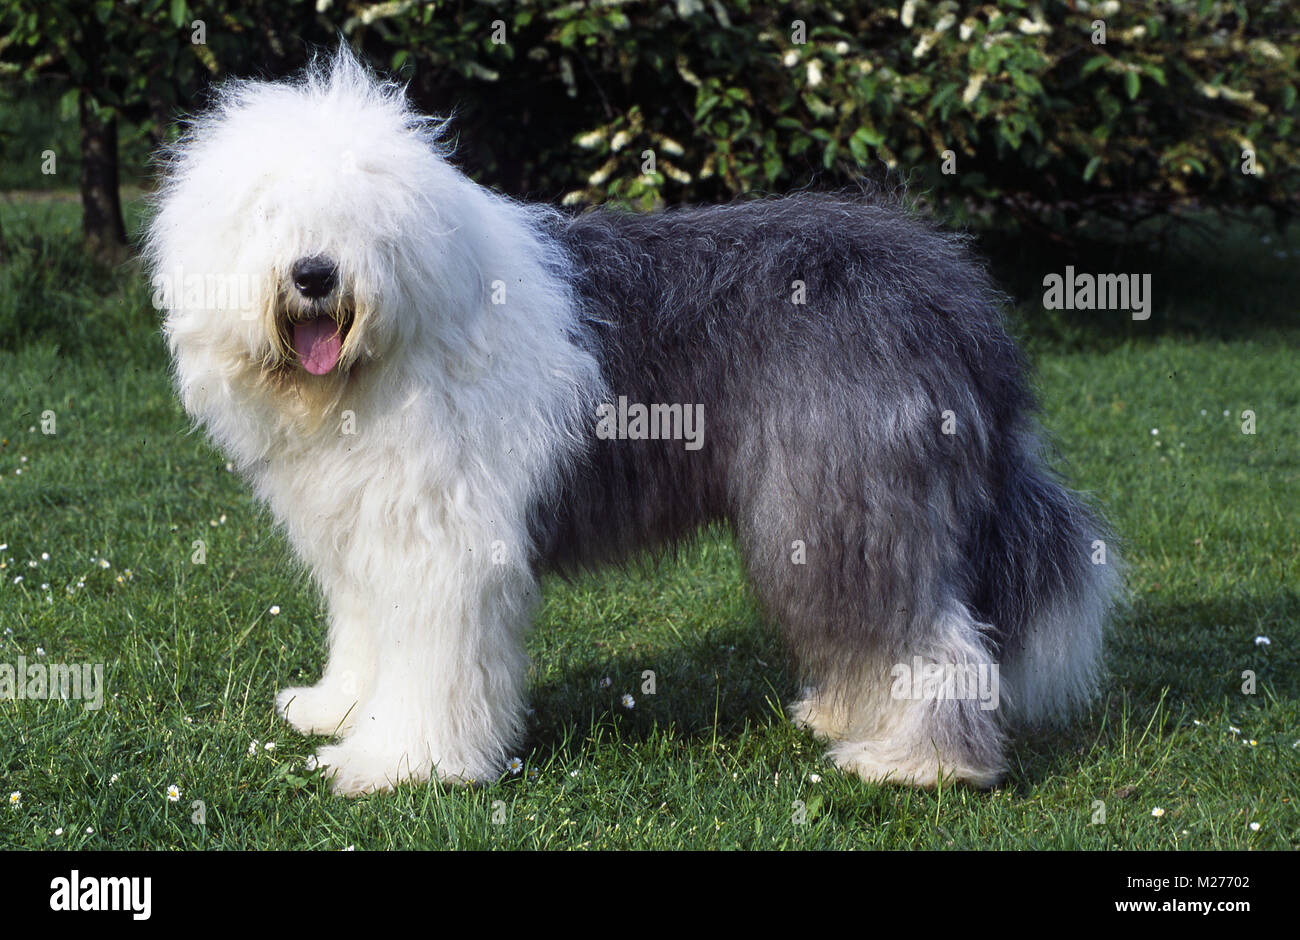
1041	125
1011	114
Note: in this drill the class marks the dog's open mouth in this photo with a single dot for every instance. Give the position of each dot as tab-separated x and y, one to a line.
318	341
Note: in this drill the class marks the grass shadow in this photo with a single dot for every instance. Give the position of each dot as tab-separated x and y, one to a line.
1216	278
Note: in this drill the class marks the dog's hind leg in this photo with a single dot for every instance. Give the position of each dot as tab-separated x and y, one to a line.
928	717
927	713
861	567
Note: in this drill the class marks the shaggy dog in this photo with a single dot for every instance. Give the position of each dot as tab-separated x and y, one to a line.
442	394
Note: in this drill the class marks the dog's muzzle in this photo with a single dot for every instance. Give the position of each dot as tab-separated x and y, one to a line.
318	326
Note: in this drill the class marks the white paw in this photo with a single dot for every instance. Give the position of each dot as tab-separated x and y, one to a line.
317	709
879	762
817	714
352	771
366	762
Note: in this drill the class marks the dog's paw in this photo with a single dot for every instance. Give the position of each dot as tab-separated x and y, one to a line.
816	714
878	762
364	764
316	709
352	770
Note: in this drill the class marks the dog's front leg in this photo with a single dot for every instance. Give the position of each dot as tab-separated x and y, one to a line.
447	696
330	706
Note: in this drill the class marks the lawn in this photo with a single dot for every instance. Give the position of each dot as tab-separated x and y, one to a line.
99	520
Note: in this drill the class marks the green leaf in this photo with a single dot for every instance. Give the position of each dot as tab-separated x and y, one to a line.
1132	84
859	150
869	136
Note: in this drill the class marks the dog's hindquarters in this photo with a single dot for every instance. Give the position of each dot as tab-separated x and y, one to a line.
854	544
867	415
931	619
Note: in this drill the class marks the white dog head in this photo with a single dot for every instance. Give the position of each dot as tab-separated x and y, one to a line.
303	229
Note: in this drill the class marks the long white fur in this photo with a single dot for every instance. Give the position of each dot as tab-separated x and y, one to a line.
413	526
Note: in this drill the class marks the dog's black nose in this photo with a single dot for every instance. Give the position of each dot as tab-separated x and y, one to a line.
314	277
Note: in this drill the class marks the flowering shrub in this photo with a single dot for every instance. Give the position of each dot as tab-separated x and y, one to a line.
1036	112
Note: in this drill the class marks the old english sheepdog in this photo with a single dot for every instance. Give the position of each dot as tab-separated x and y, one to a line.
443	394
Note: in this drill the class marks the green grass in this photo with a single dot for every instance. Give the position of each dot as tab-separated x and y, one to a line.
193	656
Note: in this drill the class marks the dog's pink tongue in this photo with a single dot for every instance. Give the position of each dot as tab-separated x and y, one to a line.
317	344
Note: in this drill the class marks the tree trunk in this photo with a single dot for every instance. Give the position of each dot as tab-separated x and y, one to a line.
101	208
